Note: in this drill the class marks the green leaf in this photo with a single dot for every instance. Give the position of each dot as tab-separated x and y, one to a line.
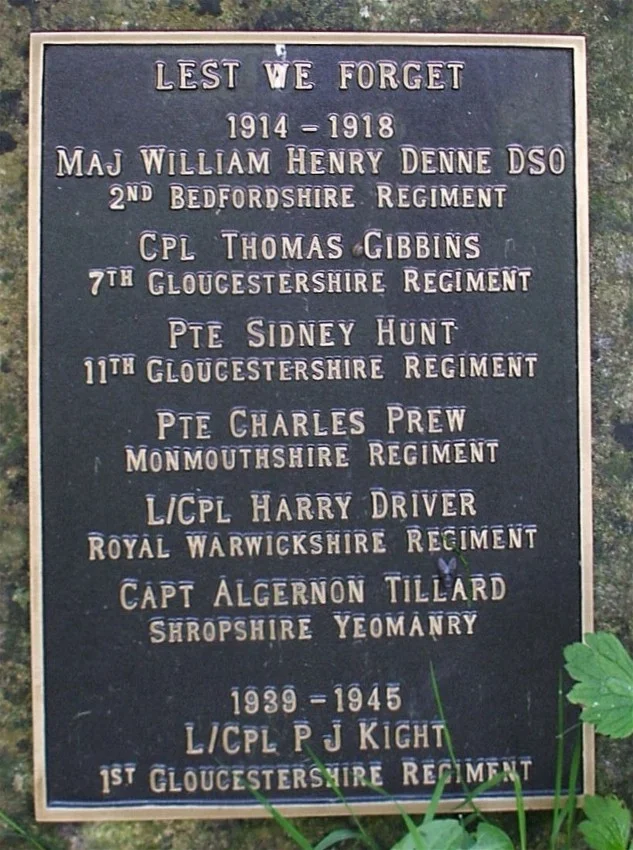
489	837
609	823
469	797
442	834
518	796
435	799
604	672
480	789
23	833
338	836
413	838
288	827
557	814
364	837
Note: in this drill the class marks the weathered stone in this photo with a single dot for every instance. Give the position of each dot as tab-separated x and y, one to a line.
7	142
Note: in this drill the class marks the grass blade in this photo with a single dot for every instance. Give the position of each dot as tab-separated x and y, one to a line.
468	797
288	827
487	785
482	788
338	836
406	817
366	838
567	812
572	800
440	708
435	799
15	827
518	793
558	815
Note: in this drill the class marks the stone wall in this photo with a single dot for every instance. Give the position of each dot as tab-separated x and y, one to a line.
608	25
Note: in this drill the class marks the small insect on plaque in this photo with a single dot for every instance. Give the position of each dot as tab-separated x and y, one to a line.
309	419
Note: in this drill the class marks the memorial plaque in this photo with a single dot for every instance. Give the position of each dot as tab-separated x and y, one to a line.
309	407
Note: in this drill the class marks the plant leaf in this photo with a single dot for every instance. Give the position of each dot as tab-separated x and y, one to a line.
287	825
608	825
448	739
489	837
441	834
365	837
518	796
604	672
480	789
412	830
574	770
337	836
435	799
18	830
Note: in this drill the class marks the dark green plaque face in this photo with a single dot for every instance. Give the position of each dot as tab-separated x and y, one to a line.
309	408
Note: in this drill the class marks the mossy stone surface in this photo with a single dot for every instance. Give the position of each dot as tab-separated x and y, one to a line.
608	25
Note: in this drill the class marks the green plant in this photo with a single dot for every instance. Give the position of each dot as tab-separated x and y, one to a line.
603	671
445	833
608	824
431	833
15	827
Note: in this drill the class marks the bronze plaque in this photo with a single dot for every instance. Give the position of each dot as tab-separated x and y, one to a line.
309	409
